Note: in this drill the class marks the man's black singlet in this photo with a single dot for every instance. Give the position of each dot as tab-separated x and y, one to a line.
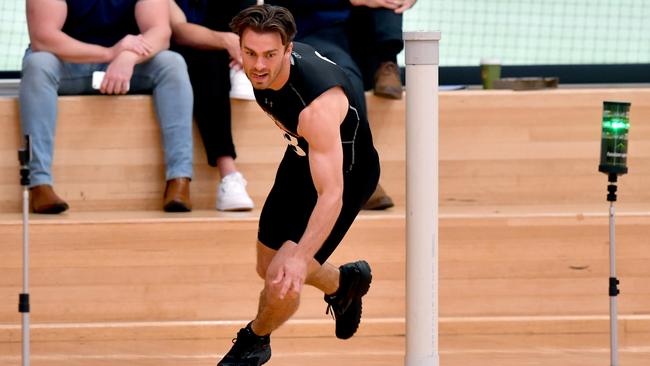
289	205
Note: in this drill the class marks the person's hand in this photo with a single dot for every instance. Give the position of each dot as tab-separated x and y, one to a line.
118	74
406	4
292	272
231	44
375	3
399	6
136	44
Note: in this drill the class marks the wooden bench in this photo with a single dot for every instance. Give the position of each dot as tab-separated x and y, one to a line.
497	148
108	153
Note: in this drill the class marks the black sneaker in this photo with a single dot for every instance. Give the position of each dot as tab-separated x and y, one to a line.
248	349
345	303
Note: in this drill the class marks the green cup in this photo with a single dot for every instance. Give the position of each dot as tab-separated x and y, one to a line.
490	71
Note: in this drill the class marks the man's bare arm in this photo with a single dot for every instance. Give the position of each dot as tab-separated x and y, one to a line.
153	21
198	36
320	125
45	19
399	6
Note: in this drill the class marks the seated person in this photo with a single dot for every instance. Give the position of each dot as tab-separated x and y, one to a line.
200	33
127	39
375	32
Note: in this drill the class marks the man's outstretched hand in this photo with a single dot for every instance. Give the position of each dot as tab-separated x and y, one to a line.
292	270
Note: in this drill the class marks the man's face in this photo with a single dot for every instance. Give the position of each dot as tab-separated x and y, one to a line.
266	60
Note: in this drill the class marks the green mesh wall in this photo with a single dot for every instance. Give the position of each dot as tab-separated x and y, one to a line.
519	32
527	32
13	34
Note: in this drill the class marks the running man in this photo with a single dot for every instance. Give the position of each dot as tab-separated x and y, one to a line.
329	170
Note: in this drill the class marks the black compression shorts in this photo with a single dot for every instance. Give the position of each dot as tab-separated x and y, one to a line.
289	205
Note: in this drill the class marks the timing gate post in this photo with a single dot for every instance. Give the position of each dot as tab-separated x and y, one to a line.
421	58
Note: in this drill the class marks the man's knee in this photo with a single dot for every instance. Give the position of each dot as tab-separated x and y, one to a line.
265	256
169	60
169	71
261	269
41	64
273	288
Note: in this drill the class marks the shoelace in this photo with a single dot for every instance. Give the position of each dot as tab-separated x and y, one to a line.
243	341
240	343
330	310
237	347
230	183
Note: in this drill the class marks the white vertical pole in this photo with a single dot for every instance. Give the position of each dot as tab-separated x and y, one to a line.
421	198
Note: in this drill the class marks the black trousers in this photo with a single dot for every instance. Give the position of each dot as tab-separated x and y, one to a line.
375	36
210	77
290	203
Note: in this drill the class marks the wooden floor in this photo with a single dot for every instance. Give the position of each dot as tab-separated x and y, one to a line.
523	242
530	291
502	350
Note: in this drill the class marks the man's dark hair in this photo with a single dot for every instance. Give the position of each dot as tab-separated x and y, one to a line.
265	19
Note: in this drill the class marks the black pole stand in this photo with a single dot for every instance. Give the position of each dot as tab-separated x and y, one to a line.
25	156
613	162
613	281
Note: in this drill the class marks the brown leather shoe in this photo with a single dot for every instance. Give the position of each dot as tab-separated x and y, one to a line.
379	200
388	83
177	195
45	201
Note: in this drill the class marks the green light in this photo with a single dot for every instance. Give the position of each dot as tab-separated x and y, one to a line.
616	124
615	128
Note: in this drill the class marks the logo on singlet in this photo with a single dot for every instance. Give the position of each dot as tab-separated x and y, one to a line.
292	141
324	58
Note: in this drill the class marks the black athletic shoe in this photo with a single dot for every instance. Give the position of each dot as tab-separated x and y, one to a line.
248	349
345	303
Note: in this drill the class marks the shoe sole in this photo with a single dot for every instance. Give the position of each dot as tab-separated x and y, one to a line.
389	94
366	278
243	363
52	209
260	362
234	209
362	289
175	206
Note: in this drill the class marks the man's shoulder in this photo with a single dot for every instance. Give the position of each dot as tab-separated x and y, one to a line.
305	54
314	74
301	49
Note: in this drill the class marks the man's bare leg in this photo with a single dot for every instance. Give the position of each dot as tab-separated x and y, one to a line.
324	277
346	306
273	311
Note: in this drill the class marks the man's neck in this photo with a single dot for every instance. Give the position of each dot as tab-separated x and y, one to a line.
283	76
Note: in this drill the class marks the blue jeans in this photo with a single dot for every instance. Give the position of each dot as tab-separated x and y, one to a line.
45	76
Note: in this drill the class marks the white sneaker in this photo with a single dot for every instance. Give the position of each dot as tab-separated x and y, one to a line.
232	195
240	86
